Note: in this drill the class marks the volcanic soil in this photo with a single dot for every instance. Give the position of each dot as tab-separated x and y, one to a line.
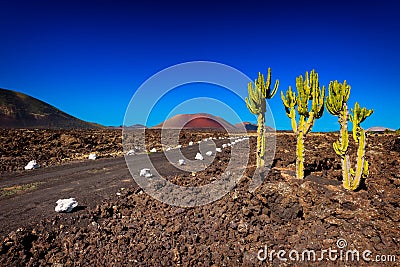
284	213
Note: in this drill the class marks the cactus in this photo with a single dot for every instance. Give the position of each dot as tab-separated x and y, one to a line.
307	89
336	104
256	103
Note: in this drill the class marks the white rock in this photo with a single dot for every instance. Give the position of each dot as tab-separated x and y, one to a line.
92	156
181	162
146	173
190	143
32	165
199	156
224	145
179	146
130	152
209	153
153	150
66	205
218	149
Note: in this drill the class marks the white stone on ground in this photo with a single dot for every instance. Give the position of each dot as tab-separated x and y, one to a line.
130	152
32	165
153	150
92	156
145	173
66	205
218	149
190	143
199	156
209	153
181	162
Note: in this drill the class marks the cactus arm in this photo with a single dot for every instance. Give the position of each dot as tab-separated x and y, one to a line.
275	89
289	103
271	94
293	120
362	164
359	115
309	123
253	101
250	106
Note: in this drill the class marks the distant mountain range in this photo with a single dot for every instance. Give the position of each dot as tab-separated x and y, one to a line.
379	129
19	110
252	127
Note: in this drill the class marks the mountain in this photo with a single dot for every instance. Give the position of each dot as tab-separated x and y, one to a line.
195	121
379	129
252	127
247	125
136	126
19	110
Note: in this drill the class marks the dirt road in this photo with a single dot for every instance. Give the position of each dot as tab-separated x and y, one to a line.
89	182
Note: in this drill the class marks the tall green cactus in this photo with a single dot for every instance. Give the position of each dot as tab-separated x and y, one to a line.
256	103
307	89
336	104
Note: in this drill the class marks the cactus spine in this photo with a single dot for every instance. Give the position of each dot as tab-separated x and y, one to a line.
336	104
307	89
256	103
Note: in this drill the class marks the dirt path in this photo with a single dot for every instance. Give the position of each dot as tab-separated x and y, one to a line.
89	182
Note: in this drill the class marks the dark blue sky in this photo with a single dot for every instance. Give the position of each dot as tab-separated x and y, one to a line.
88	57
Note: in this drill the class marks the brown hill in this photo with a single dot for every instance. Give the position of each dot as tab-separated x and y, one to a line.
19	110
195	121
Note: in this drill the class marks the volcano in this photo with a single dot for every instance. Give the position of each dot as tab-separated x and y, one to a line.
195	121
18	110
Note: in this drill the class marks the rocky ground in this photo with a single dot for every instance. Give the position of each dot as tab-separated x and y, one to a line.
54	147
133	229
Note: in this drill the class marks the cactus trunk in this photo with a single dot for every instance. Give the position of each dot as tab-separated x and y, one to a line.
300	155
260	140
343	141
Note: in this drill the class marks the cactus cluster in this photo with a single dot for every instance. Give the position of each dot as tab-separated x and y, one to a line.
308	89
336	104
256	103
308	103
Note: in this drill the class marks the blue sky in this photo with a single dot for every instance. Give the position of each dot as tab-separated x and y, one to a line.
87	58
